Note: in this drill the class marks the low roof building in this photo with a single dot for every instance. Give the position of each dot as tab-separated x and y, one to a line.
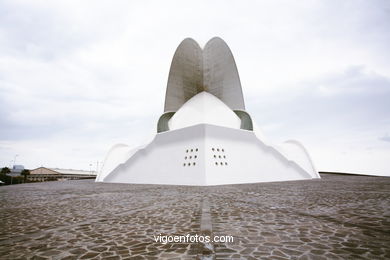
44	170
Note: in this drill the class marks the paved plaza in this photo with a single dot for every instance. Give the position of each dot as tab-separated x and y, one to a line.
337	217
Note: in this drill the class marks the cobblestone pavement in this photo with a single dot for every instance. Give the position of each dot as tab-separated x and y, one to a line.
337	217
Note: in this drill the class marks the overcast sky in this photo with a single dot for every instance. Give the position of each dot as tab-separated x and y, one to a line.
77	77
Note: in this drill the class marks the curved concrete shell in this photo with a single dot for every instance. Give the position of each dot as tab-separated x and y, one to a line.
295	151
212	70
162	124
185	78
220	75
246	120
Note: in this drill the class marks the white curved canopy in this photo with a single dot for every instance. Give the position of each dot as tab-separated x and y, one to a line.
204	108
213	70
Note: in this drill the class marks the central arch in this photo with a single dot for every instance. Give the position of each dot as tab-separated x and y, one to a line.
194	70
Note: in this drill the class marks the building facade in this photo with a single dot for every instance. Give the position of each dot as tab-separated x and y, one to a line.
205	136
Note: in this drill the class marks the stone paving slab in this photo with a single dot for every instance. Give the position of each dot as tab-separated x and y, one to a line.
337	217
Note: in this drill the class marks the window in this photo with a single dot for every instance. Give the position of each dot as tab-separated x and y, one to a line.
188	158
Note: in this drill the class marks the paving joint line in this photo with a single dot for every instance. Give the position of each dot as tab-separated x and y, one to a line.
207	250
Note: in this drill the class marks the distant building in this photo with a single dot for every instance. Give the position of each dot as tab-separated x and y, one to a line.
50	174
44	170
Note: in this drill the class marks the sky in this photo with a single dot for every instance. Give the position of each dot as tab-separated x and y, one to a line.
77	77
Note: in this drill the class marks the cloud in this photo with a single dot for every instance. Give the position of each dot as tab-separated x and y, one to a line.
351	99
385	138
77	77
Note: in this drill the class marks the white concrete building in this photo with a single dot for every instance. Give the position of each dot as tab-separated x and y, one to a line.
205	136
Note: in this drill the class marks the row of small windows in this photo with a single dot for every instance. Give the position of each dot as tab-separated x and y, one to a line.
221	163
190	157
189	164
216	163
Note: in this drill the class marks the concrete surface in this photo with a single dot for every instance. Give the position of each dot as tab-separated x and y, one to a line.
337	217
